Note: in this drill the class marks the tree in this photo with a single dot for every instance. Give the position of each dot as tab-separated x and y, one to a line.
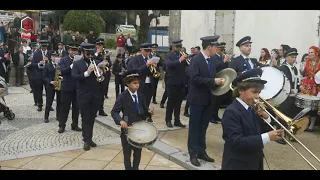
113	17
145	20
83	21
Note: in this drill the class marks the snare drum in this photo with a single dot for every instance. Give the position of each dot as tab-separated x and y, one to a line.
277	88
142	134
307	101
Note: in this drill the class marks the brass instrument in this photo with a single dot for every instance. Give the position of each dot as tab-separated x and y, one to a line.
106	68
154	72
96	70
57	78
294	127
188	58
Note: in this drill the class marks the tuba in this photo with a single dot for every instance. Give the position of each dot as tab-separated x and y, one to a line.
57	78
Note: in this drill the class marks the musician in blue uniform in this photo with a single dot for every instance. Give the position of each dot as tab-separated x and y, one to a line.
154	80
202	79
243	62
68	91
29	68
143	62
99	54
89	92
220	61
244	132
176	83
165	93
134	108
49	75
61	52
40	58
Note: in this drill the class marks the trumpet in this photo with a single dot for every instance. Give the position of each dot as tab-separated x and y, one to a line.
188	58
96	70
294	127
154	72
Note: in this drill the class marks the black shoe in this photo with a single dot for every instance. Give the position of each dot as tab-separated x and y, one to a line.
154	102
92	144
39	109
31	91
168	123
217	119
106	97
35	104
179	124
149	120
46	120
214	121
76	128
195	162
186	114
61	130
161	105
102	113
206	158
281	141
51	109
86	147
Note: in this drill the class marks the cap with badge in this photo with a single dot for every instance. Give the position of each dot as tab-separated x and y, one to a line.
253	75
243	41
291	52
33	44
221	45
87	46
60	43
176	42
210	40
145	46
99	41
44	42
131	75
154	46
53	53
73	46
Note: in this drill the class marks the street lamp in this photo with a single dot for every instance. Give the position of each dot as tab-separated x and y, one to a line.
156	13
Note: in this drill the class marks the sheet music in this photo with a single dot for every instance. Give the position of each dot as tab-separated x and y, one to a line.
58	60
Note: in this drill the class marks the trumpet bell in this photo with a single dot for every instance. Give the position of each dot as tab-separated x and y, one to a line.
100	79
228	75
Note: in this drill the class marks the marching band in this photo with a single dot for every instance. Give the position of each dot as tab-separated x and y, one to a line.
210	77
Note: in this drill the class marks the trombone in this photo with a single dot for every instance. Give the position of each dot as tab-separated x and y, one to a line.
293	127
96	70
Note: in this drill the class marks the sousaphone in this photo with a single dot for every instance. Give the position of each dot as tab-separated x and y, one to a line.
228	75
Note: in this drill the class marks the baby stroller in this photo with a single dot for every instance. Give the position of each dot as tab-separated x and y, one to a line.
3	106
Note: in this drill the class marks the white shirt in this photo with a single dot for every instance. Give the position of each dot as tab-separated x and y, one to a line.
148	80
25	49
129	42
135	93
249	61
205	56
265	137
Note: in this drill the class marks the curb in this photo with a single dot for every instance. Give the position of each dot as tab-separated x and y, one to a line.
171	153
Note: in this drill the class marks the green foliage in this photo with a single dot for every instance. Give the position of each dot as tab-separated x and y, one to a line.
83	21
110	43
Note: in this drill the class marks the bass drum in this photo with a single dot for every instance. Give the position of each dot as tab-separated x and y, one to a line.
277	88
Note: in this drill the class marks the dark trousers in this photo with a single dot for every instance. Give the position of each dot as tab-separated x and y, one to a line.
50	92
118	80
88	115
198	124
154	84
217	101
186	107
19	75
38	89
127	149
176	95
147	92
67	98
30	79
165	94
107	79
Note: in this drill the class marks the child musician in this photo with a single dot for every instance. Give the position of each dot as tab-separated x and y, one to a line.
243	130
134	108
49	73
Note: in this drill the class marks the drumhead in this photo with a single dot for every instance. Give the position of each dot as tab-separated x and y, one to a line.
307	97
142	132
275	82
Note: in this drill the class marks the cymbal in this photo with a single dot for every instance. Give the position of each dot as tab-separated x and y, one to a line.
228	75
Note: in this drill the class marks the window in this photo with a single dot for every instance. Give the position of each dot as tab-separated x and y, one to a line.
3	13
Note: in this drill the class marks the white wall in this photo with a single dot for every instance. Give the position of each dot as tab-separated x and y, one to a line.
196	24
271	28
